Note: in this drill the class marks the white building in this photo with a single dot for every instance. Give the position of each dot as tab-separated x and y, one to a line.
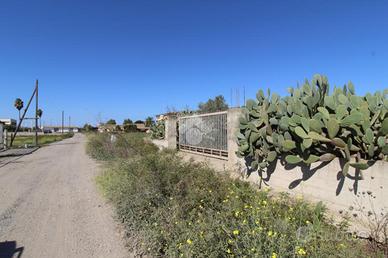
8	121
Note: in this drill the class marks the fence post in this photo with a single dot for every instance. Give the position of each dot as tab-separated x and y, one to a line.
234	115
171	131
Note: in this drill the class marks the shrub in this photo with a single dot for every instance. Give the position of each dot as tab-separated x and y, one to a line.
158	130
105	146
173	208
311	125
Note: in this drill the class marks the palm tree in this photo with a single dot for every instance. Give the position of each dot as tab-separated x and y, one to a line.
19	104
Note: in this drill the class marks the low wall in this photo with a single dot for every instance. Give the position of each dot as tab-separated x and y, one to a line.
361	195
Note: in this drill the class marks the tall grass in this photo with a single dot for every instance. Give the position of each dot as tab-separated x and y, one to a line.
173	208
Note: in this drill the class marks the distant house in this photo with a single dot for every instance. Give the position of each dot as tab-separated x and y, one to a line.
1	135
8	121
58	129
107	128
142	127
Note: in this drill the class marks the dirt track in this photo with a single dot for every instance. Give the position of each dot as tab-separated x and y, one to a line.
50	206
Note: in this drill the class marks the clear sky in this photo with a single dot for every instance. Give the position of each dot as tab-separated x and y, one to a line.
124	58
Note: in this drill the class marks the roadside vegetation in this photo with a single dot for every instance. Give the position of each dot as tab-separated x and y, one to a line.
21	141
172	208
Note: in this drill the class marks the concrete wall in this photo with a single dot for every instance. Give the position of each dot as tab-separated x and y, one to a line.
359	194
1	136
171	132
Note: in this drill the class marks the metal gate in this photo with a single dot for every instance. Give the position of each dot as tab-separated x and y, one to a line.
206	134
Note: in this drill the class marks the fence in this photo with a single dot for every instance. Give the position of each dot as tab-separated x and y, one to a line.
206	134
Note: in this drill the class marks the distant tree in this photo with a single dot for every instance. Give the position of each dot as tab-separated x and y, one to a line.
19	104
149	121
213	105
127	121
111	122
139	122
88	128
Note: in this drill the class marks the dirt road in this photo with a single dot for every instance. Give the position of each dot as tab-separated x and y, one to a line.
50	207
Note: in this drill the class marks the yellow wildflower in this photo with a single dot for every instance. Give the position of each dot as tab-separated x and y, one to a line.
228	251
230	241
236	232
189	241
274	255
301	252
308	222
244	221
270	233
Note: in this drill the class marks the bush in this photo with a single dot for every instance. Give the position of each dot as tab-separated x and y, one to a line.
173	208
105	146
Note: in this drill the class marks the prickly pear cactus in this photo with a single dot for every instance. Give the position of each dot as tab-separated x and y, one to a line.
158	130
311	125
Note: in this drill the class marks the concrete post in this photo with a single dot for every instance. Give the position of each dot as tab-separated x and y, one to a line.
171	132
234	114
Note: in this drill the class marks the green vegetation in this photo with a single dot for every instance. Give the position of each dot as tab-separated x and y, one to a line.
111	122
21	141
213	105
158	130
172	208
312	125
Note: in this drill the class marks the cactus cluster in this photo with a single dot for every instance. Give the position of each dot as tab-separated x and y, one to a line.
158	130
311	125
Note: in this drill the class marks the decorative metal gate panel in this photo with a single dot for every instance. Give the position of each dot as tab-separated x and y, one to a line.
206	134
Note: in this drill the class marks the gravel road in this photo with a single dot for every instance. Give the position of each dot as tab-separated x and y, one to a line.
50	207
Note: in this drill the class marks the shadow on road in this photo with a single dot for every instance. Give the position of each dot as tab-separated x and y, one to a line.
9	249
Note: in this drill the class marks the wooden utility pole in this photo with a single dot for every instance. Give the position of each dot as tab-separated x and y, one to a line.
36	113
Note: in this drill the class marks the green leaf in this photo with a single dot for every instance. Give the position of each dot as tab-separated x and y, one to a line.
289	144
292	159
255	165
332	127
384	127
368	136
360	165
243	148
324	112
307	142
300	132
315	125
311	159
271	156
318	137
338	142
381	141
305	123
371	150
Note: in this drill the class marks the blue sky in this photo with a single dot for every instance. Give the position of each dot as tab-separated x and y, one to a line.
123	58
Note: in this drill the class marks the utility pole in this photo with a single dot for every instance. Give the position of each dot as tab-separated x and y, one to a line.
69	122
63	118
36	112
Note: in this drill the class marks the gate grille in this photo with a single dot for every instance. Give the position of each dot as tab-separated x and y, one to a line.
205	134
